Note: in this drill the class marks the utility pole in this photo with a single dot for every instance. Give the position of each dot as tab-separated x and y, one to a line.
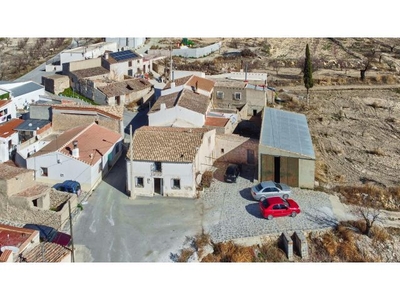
131	161
70	229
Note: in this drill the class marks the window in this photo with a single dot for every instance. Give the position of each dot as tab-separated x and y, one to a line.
130	63
237	96
157	166
35	202
44	172
220	95
139	182
176	184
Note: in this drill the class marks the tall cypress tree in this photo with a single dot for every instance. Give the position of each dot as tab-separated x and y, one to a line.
308	80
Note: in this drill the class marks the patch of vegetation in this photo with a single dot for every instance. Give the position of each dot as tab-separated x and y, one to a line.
206	179
380	197
377	151
72	94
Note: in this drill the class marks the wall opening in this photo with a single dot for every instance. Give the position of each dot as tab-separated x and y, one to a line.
277	168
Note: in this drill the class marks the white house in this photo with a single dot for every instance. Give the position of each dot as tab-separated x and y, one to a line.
22	94
81	53
127	42
123	63
168	161
7	111
84	153
8	138
180	109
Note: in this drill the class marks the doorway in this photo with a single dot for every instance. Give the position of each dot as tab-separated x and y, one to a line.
277	169
158	184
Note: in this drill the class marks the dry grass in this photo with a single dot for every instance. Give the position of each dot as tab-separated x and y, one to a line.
271	252
185	255
206	179
379	234
377	196
230	252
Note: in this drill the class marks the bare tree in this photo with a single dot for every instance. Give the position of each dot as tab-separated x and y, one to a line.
276	65
22	43
369	212
368	58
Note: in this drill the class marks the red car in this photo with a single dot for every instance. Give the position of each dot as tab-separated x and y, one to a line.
278	207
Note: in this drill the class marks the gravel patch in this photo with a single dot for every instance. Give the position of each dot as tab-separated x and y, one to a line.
231	213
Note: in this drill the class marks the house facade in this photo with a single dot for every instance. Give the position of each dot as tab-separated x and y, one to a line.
8	139
236	94
168	161
7	111
123	63
84	153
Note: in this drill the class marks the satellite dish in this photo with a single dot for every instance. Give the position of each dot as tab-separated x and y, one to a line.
15	250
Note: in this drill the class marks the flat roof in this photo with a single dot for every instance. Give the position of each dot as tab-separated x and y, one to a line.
25	88
32	125
286	130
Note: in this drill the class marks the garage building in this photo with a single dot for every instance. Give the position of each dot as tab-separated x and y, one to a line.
286	152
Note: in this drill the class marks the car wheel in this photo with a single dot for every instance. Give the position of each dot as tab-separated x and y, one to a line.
269	217
286	196
293	214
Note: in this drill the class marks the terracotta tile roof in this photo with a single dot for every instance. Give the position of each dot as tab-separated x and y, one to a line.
7	129
10	170
5	255
16	236
46	252
185	98
169	100
4	102
93	141
90	72
168	144
193	101
178	82
216	121
111	111
124	87
201	83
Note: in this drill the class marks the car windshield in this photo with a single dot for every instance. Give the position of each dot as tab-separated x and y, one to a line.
230	170
278	185
258	187
265	203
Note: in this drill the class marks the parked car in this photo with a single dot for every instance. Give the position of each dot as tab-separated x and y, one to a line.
50	234
267	189
232	172
70	186
277	207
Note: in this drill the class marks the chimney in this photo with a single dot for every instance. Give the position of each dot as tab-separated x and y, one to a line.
163	106
106	55
197	86
75	151
172	84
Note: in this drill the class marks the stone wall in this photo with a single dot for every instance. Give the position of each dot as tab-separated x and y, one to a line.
18	183
22	211
62	122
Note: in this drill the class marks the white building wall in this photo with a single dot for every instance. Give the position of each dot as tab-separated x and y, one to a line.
162	117
182	171
126	43
4	150
190	116
204	158
27	99
60	167
89	52
122	68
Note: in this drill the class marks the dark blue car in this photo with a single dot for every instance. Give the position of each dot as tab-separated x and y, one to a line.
70	186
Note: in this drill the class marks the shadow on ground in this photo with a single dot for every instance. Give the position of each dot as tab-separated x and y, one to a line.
254	210
323	219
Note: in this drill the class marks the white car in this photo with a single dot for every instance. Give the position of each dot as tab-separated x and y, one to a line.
267	189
